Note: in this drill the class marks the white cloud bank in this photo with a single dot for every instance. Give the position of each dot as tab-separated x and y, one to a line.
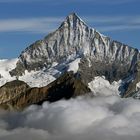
99	118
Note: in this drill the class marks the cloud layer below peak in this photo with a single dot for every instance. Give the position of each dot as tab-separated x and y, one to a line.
99	118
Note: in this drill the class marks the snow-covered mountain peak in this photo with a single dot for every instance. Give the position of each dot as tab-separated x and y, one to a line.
74	41
73	21
76	47
72	15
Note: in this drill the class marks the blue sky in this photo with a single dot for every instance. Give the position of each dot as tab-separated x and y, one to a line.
24	21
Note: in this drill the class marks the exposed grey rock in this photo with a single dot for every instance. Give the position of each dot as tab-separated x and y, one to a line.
132	90
112	71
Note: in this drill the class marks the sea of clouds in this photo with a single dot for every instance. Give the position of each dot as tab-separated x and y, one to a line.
83	118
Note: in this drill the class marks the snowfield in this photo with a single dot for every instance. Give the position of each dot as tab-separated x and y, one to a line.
6	66
101	86
37	78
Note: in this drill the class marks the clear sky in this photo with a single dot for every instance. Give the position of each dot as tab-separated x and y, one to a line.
24	21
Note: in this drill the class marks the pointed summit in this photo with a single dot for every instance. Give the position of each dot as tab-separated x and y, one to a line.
73	15
73	20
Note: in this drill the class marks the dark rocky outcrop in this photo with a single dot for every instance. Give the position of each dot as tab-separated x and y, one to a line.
131	90
20	95
112	71
11	90
68	85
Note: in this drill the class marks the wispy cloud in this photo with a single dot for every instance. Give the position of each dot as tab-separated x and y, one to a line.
48	24
119	28
104	19
31	25
111	23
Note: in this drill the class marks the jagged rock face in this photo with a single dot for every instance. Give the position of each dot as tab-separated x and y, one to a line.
12	89
74	38
131	90
18	95
67	86
112	71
